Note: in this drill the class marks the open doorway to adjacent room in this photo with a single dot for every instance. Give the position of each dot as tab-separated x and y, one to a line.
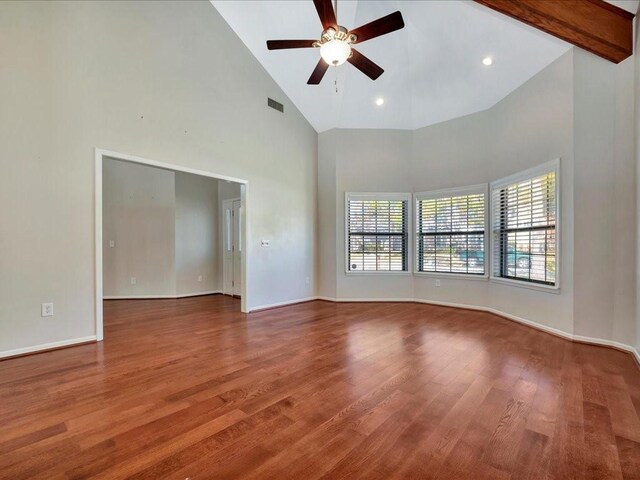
165	232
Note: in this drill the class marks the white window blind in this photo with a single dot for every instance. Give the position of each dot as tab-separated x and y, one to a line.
525	218
450	231
377	232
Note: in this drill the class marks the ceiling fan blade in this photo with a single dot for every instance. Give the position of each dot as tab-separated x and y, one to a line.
365	65
280	44
326	13
381	26
318	73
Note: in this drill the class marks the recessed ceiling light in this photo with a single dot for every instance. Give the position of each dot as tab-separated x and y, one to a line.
487	61
379	101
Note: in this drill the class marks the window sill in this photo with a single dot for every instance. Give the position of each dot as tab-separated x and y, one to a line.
531	286
378	273
453	276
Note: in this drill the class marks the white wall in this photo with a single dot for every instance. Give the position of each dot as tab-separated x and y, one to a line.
169	81
139	215
198	235
577	109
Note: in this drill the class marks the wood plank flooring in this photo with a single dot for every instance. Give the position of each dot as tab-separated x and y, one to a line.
193	389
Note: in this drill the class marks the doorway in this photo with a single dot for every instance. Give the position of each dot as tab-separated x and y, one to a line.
238	231
232	256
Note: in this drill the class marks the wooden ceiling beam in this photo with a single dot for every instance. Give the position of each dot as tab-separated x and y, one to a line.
594	25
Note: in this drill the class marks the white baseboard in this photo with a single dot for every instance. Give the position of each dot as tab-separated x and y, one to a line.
46	346
609	343
524	321
367	300
136	297
152	297
198	294
545	328
282	304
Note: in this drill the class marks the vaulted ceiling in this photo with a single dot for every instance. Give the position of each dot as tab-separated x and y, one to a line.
433	67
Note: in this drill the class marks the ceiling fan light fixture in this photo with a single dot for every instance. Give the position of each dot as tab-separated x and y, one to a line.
335	52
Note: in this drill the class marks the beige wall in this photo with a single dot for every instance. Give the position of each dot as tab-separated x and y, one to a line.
164	226
577	109
328	241
145	78
169	81
604	190
198	236
636	203
534	125
531	126
378	161
139	216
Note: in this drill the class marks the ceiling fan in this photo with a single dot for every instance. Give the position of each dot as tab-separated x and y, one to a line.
335	41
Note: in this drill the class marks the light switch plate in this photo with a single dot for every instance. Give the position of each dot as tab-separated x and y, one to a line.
47	309
112	243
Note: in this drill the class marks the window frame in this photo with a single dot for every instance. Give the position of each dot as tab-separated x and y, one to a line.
483	189
378	196
547	167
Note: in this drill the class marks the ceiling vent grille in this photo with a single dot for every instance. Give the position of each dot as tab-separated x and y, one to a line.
275	105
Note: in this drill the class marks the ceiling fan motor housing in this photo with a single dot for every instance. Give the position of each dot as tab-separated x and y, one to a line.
338	33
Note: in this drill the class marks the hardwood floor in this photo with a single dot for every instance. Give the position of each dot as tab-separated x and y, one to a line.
192	389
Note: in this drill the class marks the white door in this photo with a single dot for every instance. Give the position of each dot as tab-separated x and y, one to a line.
231	261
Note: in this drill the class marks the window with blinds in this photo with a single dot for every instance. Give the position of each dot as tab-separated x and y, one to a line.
525	219
450	231
377	232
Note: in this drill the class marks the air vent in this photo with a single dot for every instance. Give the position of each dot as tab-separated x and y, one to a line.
275	105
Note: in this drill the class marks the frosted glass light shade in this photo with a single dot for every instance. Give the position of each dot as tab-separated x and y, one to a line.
335	52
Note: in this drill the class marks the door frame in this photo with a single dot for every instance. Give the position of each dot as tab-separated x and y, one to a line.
226	203
100	155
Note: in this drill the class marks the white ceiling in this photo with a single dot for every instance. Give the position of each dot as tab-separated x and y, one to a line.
433	68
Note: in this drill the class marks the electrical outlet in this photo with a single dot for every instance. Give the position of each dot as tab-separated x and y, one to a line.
112	243
47	309
199	278
265	243
134	280
437	283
